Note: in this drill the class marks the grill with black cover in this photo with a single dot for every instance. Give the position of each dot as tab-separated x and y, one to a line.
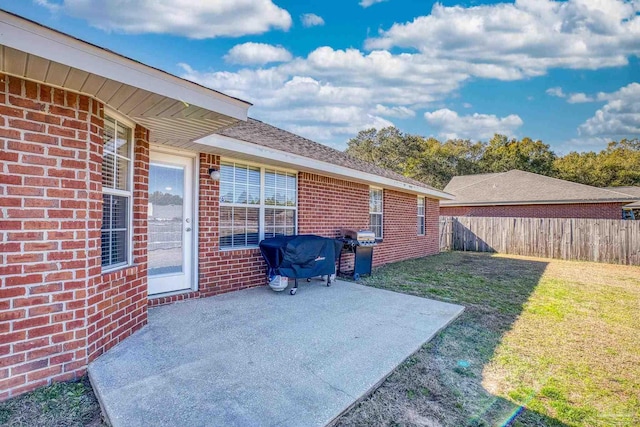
300	257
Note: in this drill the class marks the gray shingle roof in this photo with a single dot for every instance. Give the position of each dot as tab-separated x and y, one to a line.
519	187
266	135
630	190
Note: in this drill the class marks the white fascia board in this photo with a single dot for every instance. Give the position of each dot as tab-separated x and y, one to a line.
305	163
35	39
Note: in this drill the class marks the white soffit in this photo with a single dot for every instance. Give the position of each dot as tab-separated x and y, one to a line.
173	109
242	150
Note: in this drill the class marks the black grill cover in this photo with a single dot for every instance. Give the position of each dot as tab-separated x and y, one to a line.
300	256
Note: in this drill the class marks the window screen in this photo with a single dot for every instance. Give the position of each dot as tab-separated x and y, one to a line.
280	191
239	205
255	203
116	197
375	211
421	225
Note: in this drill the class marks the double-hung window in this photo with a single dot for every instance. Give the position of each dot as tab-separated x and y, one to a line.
280	203
255	203
240	202
421	207
375	211
116	194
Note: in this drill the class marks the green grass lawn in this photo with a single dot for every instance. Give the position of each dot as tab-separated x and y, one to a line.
541	343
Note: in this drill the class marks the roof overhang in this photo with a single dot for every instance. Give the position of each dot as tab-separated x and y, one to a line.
634	205
454	204
243	150
173	109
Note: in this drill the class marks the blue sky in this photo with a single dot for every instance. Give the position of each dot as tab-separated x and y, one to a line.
565	72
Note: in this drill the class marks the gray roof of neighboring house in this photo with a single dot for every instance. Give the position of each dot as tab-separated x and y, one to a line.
517	187
633	191
630	190
261	133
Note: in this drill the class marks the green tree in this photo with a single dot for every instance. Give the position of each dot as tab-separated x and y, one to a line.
617	165
435	163
502	154
579	167
425	159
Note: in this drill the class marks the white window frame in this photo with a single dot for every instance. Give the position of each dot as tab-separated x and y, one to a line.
421	217
262	206
119	118
381	213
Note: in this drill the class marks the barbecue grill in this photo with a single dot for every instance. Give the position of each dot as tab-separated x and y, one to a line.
361	244
300	257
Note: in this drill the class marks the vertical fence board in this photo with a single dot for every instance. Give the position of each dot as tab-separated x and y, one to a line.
601	240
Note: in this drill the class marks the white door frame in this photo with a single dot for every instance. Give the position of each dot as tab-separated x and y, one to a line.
158	150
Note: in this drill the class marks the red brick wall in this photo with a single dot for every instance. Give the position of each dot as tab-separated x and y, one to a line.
57	311
117	303
456	211
327	204
574	210
400	229
45	233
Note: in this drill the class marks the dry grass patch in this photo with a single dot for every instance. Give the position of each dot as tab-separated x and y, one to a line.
541	343
59	405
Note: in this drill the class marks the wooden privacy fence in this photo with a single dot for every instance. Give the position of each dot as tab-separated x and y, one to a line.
601	240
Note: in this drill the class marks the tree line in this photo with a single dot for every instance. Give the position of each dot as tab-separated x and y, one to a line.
164	199
435	162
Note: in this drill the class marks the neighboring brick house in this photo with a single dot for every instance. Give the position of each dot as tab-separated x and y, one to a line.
524	194
632	210
108	204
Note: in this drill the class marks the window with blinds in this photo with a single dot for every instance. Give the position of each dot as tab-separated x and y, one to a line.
280	203
116	193
421	207
375	211
255	203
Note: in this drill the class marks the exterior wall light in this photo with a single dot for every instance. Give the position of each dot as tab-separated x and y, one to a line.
214	173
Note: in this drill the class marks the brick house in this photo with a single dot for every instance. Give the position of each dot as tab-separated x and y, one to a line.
524	194
124	187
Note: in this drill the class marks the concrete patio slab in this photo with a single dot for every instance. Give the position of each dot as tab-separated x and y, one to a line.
260	358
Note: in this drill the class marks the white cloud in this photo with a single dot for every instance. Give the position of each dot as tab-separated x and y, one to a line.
523	39
467	105
336	78
618	118
311	20
398	111
193	19
556	91
367	3
476	126
324	123
579	98
257	53
433	57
